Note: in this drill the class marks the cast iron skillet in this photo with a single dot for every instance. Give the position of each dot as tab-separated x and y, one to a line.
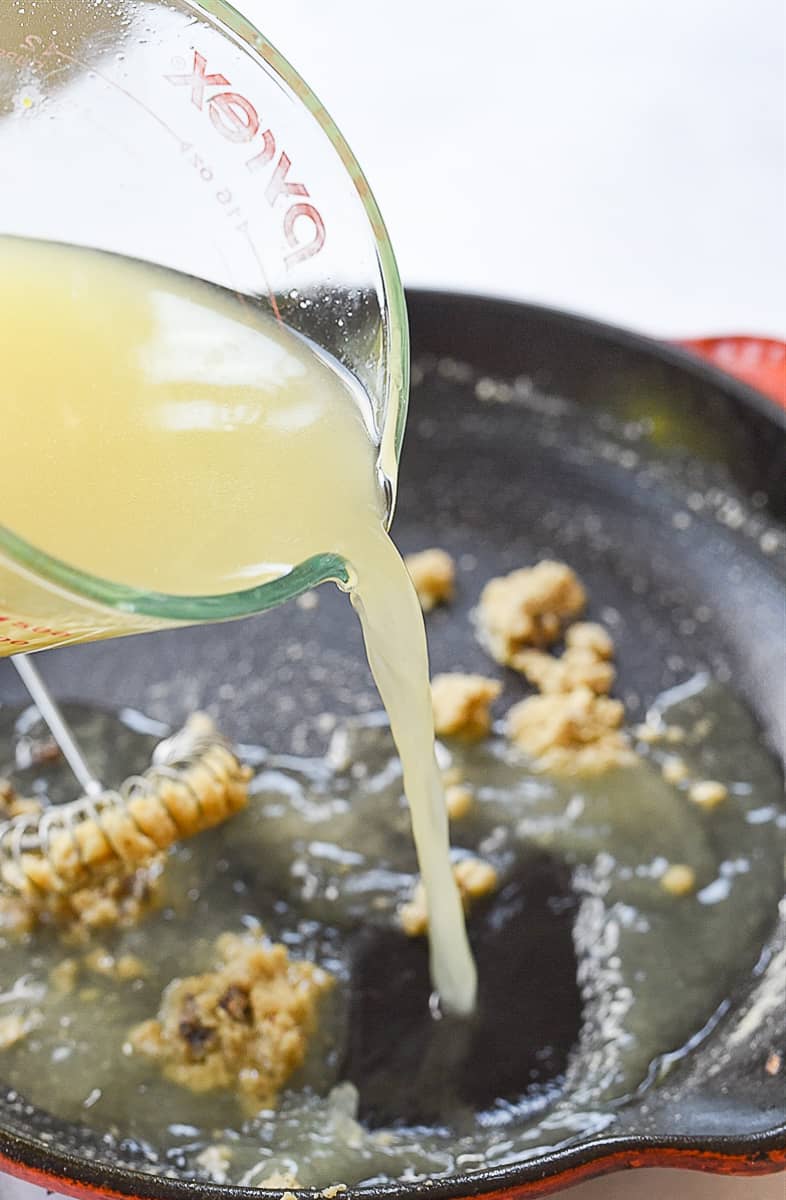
524	419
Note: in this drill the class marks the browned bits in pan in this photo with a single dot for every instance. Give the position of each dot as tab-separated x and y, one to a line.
243	1026
528	607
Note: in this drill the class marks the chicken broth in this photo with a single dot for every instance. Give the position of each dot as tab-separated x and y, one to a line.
591	971
162	402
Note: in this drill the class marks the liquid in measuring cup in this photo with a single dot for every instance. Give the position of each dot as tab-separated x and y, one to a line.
159	433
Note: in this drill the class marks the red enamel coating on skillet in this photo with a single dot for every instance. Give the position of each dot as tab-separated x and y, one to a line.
760	362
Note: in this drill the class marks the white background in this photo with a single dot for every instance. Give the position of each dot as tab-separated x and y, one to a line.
621	158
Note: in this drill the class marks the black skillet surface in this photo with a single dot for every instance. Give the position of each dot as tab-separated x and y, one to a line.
531	434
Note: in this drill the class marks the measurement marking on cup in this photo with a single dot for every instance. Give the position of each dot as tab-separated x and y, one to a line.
32	45
223	195
236	119
205	172
10	625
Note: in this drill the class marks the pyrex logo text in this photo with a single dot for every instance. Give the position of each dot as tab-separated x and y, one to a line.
237	120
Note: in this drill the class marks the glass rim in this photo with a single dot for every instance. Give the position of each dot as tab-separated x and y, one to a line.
319	568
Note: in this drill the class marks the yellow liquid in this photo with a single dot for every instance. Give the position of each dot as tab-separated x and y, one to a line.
158	433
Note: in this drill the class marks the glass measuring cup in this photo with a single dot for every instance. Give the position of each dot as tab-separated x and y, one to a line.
171	131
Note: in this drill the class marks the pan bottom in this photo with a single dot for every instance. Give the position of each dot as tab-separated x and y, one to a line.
595	980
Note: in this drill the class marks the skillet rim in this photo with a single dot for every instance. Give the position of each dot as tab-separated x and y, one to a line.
629	339
759	1154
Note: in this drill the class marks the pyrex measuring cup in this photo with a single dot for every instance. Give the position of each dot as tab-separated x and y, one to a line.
171	131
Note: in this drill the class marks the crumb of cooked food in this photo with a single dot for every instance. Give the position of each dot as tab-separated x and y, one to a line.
574	733
413	915
652	733
461	705
458	801
16	916
13	805
16	1026
528	607
590	636
585	661
648	733
674	769
474	877
118	901
214	1161
708	793
129	966
773	1063
280	1179
575	668
674	734
64	975
433	573
678	880
122	967
244	1026
335	1189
